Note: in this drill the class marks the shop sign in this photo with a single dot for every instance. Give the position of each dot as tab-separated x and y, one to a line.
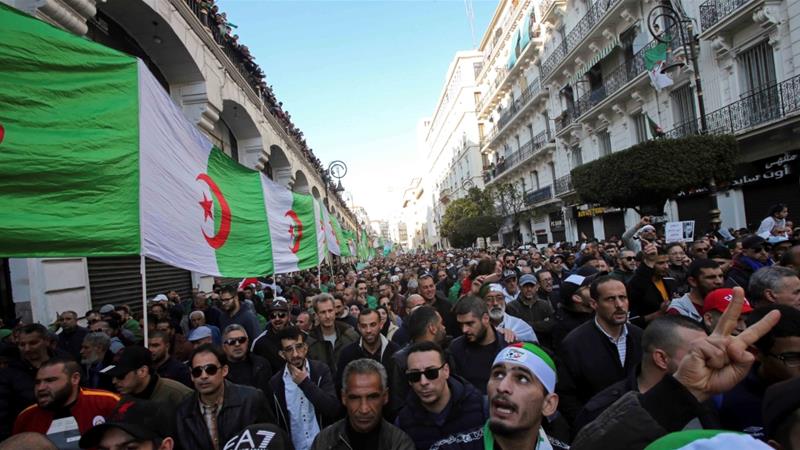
591	211
764	171
556	222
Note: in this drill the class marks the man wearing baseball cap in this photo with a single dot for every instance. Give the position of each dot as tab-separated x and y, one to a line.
535	311
521	391
140	424
510	285
267	344
133	376
575	304
716	302
755	255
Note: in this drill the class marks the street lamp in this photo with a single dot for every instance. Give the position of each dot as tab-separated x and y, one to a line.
673	18
337	169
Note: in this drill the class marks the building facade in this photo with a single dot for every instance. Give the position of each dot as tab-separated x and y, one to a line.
565	82
449	143
206	73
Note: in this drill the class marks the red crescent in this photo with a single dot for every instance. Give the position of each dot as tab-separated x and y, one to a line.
298	234
2	133
219	239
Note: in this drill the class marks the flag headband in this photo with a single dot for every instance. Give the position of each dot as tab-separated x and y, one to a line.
534	359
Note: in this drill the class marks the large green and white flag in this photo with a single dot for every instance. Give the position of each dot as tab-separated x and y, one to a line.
96	160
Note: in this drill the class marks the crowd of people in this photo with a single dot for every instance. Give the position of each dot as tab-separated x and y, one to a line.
618	344
223	31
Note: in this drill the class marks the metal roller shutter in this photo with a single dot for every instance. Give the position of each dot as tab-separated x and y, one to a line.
116	280
697	209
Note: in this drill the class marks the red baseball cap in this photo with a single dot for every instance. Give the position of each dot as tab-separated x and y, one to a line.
719	299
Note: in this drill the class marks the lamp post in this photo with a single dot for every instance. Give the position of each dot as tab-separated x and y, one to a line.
672	18
337	169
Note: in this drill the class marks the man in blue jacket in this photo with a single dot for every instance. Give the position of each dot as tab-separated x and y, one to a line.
439	404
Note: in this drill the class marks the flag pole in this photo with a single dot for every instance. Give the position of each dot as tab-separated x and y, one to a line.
143	272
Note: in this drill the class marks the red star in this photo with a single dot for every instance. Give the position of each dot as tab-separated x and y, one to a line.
207	205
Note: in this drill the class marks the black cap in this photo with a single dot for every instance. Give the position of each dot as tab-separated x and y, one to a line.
574	282
509	274
130	358
754	242
145	420
259	436
719	251
279	304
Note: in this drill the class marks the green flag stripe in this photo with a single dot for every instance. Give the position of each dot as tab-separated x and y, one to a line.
303	206
69	162
248	248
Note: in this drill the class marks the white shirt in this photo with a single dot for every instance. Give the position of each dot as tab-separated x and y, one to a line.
302	416
509	297
621	342
521	328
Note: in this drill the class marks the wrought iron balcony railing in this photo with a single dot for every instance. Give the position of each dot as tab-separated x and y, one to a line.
765	105
523	153
539	195
577	35
564	120
563	185
713	11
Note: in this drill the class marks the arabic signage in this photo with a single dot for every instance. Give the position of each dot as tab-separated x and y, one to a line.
777	169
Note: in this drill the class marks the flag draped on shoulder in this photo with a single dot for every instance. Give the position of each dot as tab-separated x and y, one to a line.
97	160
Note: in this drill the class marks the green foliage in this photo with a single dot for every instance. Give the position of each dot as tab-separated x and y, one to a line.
651	172
469	218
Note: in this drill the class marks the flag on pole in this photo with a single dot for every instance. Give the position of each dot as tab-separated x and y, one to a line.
654	59
653	130
96	160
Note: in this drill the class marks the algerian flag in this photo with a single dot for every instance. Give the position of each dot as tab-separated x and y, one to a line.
350	239
707	440
653	130
334	236
654	60
96	160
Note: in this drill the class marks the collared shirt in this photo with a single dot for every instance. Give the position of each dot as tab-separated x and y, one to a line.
302	415
210	413
621	342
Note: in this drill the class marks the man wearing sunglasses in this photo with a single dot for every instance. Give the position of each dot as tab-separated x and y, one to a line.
219	409
235	312
521	391
244	367
267	344
626	266
755	255
440	403
133	376
303	391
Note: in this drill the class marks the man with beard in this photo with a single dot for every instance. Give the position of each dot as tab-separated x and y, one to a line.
267	344
601	351
133	376
496	303
164	364
651	288
343	312
234	312
703	276
63	410
626	266
533	310
475	350
545	289
95	356
303	391
372	344
521	391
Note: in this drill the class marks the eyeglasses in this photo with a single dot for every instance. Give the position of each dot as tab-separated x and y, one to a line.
789	359
93	321
430	374
628	258
236	341
209	369
226	299
294	348
279	315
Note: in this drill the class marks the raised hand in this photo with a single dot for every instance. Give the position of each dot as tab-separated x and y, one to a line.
717	363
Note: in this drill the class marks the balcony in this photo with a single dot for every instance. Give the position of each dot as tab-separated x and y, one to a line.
713	12
577	36
531	92
617	79
507	28
523	154
538	196
565	120
563	185
761	107
550	9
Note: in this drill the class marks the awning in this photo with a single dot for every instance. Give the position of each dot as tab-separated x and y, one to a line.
594	60
512	54
525	32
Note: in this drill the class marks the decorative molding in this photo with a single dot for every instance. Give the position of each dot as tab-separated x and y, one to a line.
767	16
721	47
636	96
609	34
627	15
593	47
618	109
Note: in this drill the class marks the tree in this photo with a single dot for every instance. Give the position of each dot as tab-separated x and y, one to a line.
468	218
509	201
648	174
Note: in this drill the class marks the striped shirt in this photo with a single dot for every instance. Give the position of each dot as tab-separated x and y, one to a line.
621	342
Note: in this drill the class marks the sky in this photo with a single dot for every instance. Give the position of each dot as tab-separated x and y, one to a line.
357	76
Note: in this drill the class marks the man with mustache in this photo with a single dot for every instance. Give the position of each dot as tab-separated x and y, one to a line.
601	351
496	303
521	391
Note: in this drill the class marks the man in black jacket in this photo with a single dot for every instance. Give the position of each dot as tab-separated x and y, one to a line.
651	288
165	364
599	352
372	344
303	391
267	344
71	336
229	406
480	342
244	367
427	289
440	403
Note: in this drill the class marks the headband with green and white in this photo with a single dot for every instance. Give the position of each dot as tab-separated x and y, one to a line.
533	358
